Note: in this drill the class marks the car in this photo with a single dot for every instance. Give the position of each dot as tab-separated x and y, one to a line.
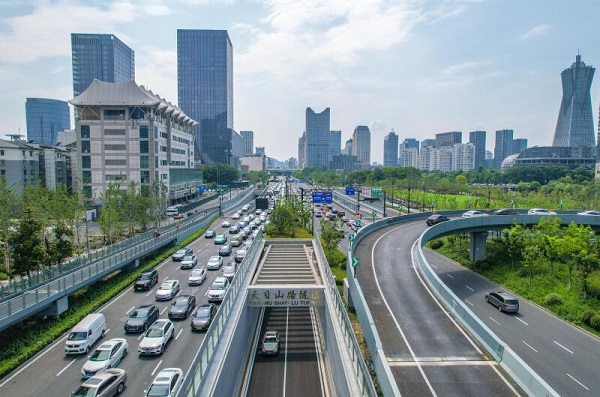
189	261
345	219
229	270
341	214
505	211
146	280
156	338
225	250
181	253
104	384
251	217
255	233
210	234
168	289
141	318
220	239
179	216
474	214
335	210
226	223
236	216
258	212
242	224
167	383
263	219
240	255
503	301
593	213
318	214
217	290
270	343
540	211
182	307
246	220
247	244
435	219
234	229
236	240
214	262
203	317
197	276
108	355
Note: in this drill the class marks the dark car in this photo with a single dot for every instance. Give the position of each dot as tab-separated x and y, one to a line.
505	211
180	254
210	234
203	317
341	214
146	280
503	301
435	219
141	318
225	250
182	307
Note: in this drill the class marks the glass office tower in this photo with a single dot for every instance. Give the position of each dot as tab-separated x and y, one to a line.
100	56
205	91
575	124
45	118
477	138
316	144
503	148
390	150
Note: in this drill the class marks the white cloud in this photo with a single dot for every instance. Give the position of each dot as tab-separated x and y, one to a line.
159	74
535	32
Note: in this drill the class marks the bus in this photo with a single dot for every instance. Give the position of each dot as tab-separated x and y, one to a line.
174	210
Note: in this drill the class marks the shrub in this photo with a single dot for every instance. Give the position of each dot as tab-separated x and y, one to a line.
587	315
595	322
435	244
593	284
552	299
483	264
522	272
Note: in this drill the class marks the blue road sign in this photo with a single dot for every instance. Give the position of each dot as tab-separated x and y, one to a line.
344	182
350	190
322	197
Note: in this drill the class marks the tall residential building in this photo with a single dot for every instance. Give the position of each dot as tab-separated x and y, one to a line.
301	150
248	141
390	150
100	56
45	118
361	145
463	157
448	138
347	150
410	157
126	133
503	148
205	92
335	144
575	124
519	145
316	145
477	138
407	144
427	142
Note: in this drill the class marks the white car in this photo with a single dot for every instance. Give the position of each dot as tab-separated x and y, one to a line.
474	214
189	261
167	383
217	290
236	216
168	289
108	355
593	213
197	276
226	223
157	337
540	211
214	262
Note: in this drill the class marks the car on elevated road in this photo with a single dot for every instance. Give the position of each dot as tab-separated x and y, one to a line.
474	214
435	219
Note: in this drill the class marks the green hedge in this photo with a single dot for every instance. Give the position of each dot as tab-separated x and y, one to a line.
21	343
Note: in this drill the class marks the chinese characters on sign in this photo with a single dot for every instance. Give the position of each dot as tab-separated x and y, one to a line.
285	296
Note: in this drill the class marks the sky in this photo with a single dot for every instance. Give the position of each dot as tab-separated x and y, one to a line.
419	67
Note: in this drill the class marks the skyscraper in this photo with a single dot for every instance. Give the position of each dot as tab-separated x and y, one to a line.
347	150
503	148
316	145
575	124
390	150
477	138
335	144
205	91
408	143
448	138
519	145
45	118
100	56
361	145
302	150
248	141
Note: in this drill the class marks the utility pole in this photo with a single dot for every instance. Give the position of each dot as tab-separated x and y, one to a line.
384	199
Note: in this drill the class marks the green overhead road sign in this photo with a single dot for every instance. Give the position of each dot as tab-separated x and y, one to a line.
351	237
376	192
373	213
357	223
355	262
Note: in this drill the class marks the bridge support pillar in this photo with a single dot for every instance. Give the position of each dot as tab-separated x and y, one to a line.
477	251
132	265
58	307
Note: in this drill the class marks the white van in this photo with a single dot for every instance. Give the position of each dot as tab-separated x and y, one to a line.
172	211
85	334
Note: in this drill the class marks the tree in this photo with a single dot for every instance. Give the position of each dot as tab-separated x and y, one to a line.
411	182
330	235
109	217
220	174
531	255
282	220
7	212
28	250
62	246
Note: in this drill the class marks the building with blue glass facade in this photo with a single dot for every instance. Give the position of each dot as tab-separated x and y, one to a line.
100	56
390	150
317	137
45	118
205	92
477	138
503	148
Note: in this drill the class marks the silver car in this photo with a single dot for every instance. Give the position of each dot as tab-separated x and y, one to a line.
107	355
104	384
189	261
168	289
505	302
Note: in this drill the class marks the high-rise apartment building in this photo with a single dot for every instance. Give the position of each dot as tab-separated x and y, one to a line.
463	157
316	144
205	92
361	145
390	150
335	144
407	144
575	124
45	118
503	148
248	141
519	145
448	138
410	157
100	56
477	138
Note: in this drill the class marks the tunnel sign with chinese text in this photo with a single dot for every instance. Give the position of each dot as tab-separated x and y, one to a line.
286	296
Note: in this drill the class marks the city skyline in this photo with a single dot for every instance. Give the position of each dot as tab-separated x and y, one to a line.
420	68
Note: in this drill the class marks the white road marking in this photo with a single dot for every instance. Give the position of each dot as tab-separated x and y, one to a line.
466	300
449	275
563	347
127	312
472	290
494	320
580	384
287	317
65	368
156	368
434	266
521	321
179	333
149	292
529	346
163	310
141	335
